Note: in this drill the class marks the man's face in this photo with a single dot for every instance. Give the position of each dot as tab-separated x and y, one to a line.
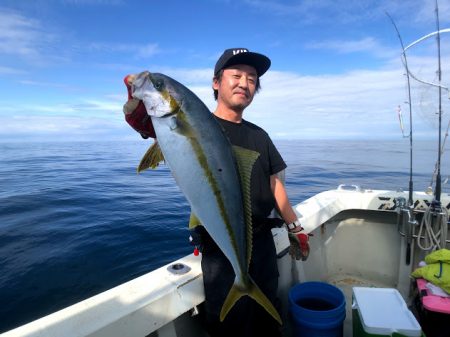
237	86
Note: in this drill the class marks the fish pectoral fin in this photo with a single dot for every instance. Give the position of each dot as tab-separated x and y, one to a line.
180	125
194	221
255	293
151	158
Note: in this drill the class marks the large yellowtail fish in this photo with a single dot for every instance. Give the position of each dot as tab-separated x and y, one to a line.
213	175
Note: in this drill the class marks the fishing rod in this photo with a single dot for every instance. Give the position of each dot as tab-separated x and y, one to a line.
405	64
437	194
406	219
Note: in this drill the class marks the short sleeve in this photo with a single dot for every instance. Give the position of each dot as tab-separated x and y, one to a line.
277	163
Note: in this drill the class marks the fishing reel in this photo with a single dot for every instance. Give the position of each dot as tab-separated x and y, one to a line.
406	223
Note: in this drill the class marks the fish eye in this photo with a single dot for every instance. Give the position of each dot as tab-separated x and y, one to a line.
158	84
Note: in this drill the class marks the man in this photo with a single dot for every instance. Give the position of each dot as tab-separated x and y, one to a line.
236	80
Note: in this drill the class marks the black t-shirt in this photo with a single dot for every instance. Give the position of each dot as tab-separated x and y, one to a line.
269	162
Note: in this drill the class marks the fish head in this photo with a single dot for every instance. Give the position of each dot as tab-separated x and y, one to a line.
156	92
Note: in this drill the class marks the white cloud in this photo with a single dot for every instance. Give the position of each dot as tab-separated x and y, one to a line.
83	108
347	11
190	76
367	44
136	50
100	106
148	50
43	84
10	71
93	2
63	128
426	11
35	42
356	104
22	36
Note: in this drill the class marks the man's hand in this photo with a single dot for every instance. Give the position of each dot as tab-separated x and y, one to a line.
136	114
299	248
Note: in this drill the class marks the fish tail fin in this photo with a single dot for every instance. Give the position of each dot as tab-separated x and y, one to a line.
255	293
233	296
262	300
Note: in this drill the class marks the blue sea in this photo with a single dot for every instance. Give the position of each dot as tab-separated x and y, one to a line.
76	219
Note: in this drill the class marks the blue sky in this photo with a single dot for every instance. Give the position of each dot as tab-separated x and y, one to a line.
336	68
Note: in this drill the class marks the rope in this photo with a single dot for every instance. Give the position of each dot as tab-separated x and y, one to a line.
433	238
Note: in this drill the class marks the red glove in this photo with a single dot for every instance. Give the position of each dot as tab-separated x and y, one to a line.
299	248
136	114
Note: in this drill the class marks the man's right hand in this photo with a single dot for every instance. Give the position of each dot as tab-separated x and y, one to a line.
136	114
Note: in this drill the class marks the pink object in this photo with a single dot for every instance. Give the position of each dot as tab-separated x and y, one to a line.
432	302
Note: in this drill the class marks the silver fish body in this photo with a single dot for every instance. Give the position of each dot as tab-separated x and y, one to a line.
205	168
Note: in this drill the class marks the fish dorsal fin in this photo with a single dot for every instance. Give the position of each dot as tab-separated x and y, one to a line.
194	221
151	158
245	160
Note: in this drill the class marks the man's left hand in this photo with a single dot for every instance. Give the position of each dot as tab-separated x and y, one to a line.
299	248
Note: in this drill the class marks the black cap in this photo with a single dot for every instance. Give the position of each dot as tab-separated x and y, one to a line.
242	56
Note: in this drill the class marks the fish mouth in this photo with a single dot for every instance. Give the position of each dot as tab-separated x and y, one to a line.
151	89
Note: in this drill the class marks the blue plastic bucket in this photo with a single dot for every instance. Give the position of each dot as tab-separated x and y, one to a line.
317	310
